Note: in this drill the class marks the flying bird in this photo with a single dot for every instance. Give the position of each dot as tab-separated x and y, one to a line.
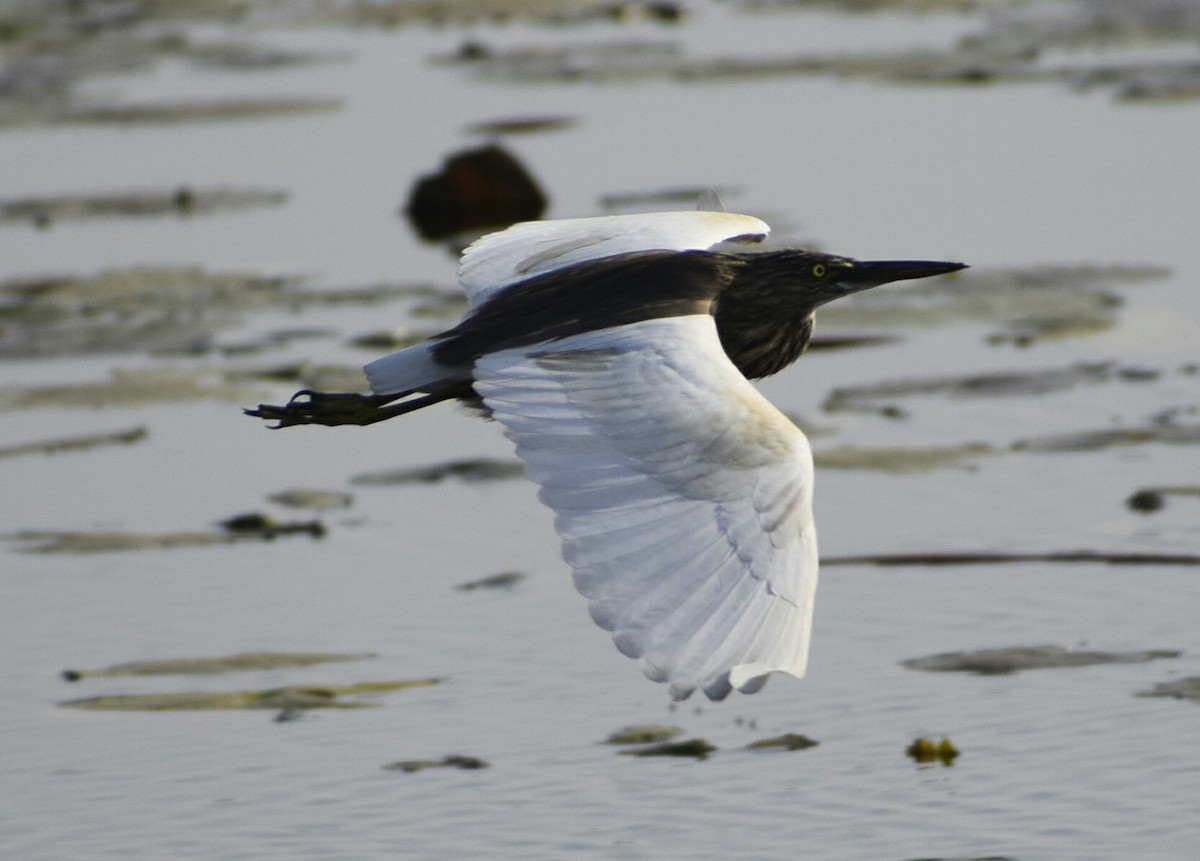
616	352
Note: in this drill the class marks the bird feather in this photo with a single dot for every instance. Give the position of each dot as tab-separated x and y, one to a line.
535	247
683	497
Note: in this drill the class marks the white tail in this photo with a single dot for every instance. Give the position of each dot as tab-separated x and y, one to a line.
411	370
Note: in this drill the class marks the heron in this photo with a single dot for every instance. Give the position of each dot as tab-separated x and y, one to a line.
617	353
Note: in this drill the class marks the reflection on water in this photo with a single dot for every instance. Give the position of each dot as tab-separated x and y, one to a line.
1039	394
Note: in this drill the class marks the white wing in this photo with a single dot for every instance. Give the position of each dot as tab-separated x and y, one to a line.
534	247
683	497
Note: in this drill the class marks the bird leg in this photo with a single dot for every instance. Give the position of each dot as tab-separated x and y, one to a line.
339	408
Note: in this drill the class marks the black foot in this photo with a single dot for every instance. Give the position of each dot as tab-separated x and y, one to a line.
325	408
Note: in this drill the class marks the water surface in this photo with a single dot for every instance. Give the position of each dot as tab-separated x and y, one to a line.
1054	763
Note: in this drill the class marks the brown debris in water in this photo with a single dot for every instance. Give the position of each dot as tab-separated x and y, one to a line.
480	189
1151	499
409	766
256	524
503	580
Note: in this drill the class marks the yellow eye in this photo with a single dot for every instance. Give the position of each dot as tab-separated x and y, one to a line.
819	270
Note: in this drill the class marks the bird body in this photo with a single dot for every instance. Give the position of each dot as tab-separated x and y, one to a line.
616	353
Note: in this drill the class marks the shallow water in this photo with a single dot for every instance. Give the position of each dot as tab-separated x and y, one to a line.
1053	764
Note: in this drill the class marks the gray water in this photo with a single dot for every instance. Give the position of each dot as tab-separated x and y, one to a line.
1054	763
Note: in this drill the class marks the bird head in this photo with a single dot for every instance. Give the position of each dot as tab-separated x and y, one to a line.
816	279
765	315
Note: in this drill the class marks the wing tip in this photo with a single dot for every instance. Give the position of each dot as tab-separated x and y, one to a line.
744	678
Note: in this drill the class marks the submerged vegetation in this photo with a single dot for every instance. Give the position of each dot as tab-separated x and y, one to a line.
353	696
693	748
244	527
644	734
241	662
1180	689
470	470
84	442
468	763
290	700
1078	45
787	741
925	751
48	51
182	201
992	662
156	309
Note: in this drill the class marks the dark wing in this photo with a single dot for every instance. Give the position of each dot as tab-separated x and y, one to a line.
537	247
